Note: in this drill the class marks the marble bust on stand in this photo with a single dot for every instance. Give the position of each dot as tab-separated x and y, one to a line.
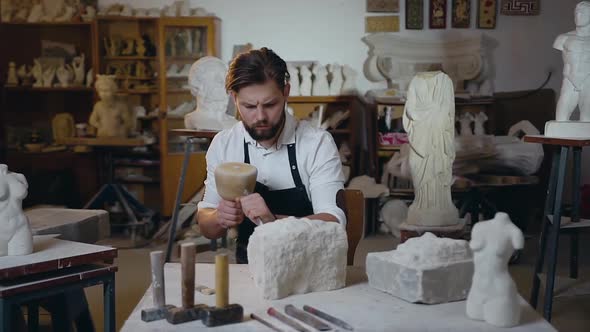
429	120
575	88
207	83
110	117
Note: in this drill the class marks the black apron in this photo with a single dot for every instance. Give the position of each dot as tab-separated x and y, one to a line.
290	202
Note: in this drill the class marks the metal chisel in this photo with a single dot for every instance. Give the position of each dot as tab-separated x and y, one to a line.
306	318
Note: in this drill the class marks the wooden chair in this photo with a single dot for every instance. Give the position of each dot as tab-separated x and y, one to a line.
352	202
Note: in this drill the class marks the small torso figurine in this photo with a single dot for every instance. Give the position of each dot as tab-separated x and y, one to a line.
15	232
336	83
429	120
110	117
465	121
575	46
305	85
320	85
480	119
293	80
349	84
493	296
207	83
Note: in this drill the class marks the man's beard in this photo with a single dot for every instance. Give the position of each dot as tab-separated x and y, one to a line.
265	134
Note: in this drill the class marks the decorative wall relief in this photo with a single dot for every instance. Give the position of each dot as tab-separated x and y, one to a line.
383	6
520	7
381	24
415	14
486	14
461	14
438	14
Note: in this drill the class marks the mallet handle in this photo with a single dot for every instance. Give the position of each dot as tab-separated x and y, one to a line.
187	263
221	281
158	289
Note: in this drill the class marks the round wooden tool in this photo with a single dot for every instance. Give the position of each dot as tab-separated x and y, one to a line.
221	281
187	263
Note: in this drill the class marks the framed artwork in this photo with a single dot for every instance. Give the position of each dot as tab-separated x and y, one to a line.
414	14
520	7
486	14
382	24
383	6
438	14
461	14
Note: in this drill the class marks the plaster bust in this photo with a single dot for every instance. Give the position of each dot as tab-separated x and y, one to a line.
206	80
429	120
109	116
575	90
493	296
15	232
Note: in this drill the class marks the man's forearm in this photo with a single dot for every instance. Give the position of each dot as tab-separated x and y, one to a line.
207	220
319	216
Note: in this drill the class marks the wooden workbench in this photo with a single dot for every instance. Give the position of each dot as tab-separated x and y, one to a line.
358	304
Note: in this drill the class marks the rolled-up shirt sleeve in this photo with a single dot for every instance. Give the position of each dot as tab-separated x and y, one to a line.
326	178
211	198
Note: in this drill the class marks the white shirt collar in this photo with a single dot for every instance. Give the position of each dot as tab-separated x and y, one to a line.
287	135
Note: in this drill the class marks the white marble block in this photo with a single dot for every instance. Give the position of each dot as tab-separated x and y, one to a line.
297	256
426	269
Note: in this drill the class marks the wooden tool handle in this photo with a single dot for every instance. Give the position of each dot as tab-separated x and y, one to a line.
187	262
157	264
221	281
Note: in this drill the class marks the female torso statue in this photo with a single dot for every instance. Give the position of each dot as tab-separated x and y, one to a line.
429	120
109	116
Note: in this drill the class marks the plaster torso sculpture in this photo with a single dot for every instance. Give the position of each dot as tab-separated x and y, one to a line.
493	296
320	85
336	83
110	117
12	78
37	72
429	120
207	83
15	232
575	45
305	85
293	80
480	119
297	256
349	84
465	121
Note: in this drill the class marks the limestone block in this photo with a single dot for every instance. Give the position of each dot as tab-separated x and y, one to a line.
297	256
426	269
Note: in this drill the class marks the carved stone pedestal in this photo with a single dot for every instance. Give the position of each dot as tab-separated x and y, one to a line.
452	232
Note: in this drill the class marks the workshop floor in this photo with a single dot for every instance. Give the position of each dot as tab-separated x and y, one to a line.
569	313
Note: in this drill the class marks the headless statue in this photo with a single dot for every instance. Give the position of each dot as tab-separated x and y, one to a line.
429	120
207	83
493	296
15	232
575	47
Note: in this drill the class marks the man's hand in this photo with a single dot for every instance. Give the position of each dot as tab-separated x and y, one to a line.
254	207
229	214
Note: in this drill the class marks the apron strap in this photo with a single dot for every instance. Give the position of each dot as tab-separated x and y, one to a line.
293	166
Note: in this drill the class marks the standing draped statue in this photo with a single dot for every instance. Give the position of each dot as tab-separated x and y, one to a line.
429	120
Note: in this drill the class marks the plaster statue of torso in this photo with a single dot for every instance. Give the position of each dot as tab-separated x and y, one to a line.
207	83
480	119
293	80
349	84
15	232
336	83
305	86
109	116
465	120
429	120
320	85
493	296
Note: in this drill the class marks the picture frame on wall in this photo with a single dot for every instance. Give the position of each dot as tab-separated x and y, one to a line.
520	7
414	14
461	14
437	14
487	14
382	6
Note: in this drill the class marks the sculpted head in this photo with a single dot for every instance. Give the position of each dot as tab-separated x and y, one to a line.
207	80
582	14
106	87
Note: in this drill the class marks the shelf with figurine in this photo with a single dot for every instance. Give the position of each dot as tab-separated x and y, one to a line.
48	12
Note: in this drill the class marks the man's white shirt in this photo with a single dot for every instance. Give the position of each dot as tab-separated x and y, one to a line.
317	156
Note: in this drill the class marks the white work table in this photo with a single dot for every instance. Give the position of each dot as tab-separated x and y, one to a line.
361	306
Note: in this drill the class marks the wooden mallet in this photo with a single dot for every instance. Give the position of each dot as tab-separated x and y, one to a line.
223	313
189	311
160	308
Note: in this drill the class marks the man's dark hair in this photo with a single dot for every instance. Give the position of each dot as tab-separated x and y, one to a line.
256	67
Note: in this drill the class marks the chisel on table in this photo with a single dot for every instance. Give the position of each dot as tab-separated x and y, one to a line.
274	313
327	317
306	318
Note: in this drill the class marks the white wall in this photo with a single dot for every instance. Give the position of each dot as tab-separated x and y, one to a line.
331	30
